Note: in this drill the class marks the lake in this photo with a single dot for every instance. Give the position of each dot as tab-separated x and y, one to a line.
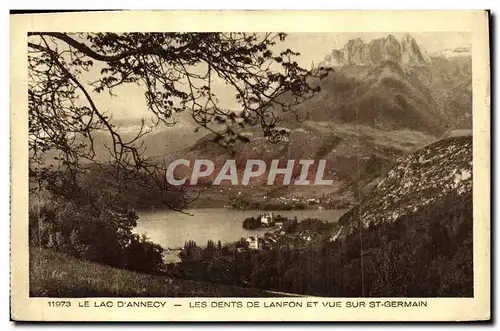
172	229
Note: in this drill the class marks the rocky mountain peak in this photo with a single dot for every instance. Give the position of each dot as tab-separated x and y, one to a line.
391	38
357	52
411	54
407	38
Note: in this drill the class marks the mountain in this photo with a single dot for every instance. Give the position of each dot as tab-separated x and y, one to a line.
394	85
162	140
356	52
382	100
384	97
419	181
356	156
384	84
449	81
389	99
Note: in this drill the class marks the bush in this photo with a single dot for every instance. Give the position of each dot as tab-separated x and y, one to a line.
94	232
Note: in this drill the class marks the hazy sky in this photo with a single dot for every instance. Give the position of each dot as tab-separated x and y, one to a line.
130	102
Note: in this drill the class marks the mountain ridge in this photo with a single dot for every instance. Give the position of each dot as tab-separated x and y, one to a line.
357	52
418	180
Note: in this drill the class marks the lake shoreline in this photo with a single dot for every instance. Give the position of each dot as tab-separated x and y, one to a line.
166	209
172	229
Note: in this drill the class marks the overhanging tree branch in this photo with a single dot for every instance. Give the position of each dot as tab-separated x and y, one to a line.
177	72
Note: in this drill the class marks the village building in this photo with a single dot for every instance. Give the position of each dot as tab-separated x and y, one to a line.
253	242
266	220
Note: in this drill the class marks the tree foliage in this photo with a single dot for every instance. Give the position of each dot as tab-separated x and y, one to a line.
176	71
92	230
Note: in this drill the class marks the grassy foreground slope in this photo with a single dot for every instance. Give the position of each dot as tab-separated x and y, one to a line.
54	274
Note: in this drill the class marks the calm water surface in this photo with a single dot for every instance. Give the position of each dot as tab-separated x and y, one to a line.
172	229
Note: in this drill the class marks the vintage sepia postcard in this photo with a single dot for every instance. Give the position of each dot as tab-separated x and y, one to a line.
250	166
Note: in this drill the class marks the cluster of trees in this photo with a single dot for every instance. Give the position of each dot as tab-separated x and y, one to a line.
192	252
74	218
252	223
255	222
426	254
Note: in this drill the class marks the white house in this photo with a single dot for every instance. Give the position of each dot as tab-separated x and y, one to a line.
266	219
253	242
